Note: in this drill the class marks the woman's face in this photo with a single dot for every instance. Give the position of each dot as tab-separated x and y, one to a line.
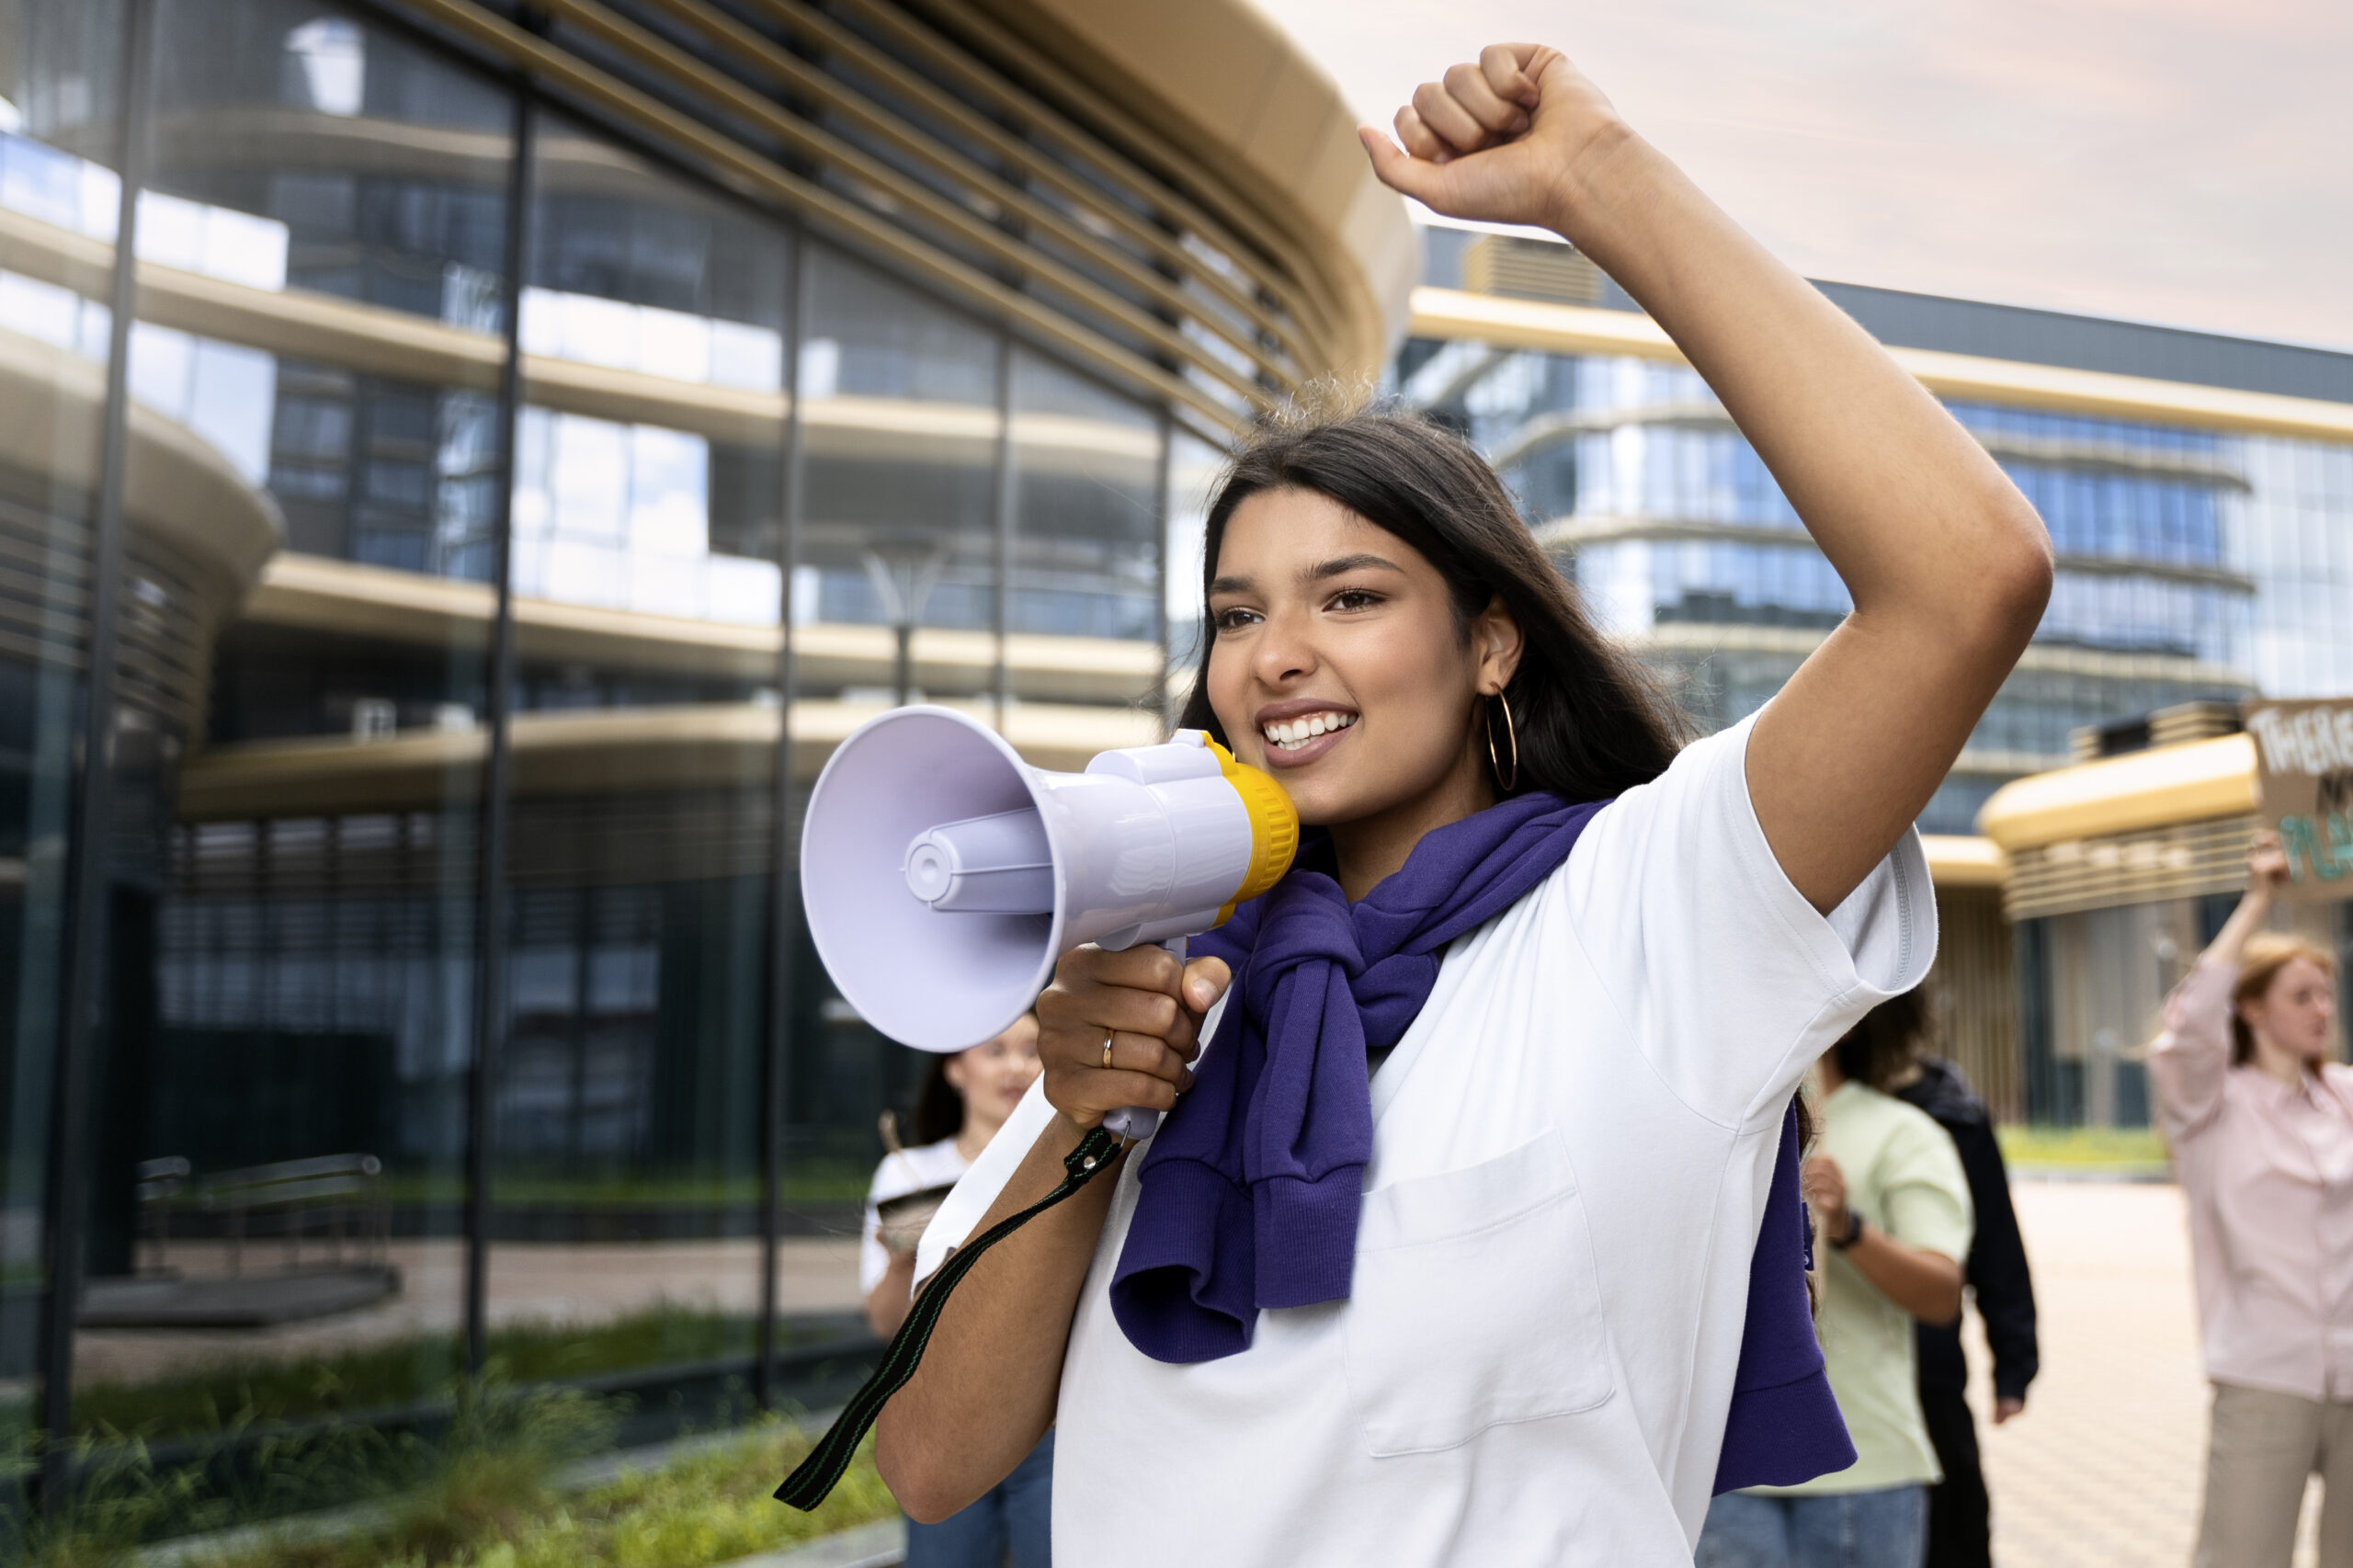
1337	665
2296	1010
993	1077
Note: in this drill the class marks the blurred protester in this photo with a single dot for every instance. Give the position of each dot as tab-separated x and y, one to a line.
1890	1200
2261	1123
1959	1514
963	1101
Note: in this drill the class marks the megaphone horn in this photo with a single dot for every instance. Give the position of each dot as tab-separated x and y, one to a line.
944	876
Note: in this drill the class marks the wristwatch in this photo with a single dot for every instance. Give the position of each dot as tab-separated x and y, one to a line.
1853	1232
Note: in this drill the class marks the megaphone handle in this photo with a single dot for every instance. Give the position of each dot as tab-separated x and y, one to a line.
1135	1122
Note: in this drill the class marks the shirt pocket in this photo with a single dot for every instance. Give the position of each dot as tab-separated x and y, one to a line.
1475	1302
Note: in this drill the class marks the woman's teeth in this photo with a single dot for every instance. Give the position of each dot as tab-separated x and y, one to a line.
1299	732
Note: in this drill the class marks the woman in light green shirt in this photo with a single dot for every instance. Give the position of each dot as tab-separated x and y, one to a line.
1891	1203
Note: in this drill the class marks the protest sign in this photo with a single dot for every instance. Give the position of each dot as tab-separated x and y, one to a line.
2305	756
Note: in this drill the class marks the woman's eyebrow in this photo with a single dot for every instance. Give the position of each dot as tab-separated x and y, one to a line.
1341	566
1336	567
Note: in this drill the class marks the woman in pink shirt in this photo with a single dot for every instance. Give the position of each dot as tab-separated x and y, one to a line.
2260	1120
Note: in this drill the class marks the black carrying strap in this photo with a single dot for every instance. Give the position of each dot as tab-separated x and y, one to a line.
815	1478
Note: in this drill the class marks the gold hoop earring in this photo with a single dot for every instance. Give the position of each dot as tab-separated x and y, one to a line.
1511	733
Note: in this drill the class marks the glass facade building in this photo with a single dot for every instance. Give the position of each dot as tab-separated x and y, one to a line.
438	551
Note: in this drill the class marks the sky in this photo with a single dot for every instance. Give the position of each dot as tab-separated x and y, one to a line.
2183	162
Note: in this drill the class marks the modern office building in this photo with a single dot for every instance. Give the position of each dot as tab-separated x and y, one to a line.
2199	489
532	436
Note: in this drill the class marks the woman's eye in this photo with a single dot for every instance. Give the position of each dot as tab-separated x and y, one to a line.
1234	619
1354	599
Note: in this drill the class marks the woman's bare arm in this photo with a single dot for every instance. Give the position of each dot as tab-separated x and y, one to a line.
886	1305
1924	1283
1947	564
985	1392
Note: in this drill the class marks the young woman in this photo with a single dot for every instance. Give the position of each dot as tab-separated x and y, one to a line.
964	1101
1891	1203
2261	1123
965	1098
1487	1307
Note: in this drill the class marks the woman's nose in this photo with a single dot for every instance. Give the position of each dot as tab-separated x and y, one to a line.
1284	652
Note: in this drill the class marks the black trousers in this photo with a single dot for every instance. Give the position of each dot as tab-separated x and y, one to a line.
1959	1515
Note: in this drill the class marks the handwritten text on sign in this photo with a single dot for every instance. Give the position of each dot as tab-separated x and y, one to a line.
2305	752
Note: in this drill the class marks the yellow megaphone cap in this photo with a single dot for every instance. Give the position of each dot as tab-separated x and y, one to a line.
1274	828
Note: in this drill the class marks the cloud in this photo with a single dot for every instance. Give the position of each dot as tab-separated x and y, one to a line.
2175	161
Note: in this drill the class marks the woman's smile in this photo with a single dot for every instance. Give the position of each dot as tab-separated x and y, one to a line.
1302	730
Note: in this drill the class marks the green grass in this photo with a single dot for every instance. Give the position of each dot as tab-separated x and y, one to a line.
261	1389
2088	1149
713	1507
488	1495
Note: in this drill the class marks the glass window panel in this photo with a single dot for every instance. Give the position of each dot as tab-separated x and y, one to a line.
648	492
901	428
291	923
60	86
1087	545
302	151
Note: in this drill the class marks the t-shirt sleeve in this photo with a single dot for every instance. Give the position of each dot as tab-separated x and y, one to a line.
1925	1191
1730	981
977	1189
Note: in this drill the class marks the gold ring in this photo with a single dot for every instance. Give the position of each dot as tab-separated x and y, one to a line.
1106	1053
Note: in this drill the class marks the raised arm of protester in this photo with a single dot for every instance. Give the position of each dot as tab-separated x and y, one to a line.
2189	1061
1947	564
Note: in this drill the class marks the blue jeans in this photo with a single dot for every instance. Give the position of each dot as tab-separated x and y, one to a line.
1015	1516
1840	1529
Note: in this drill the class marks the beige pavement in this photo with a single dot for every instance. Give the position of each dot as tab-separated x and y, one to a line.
530	1282
2106	1468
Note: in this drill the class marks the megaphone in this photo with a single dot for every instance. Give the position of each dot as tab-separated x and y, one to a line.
944	878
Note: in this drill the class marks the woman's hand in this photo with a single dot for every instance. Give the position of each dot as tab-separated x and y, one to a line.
1500	142
1147	1004
2266	867
1824	1185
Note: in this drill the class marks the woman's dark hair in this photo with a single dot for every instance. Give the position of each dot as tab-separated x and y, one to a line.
1882	1051
1591	722
940	1110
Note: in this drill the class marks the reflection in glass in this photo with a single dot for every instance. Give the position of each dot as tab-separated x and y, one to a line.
273	1231
648	490
901	423
300	152
59	106
1086	514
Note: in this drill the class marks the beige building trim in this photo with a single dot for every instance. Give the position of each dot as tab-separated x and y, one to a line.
2160	788
177	487
1581	329
1957	860
602	752
1219	83
318	594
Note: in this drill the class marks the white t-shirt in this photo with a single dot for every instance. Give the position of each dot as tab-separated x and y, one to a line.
909	1170
1572	1146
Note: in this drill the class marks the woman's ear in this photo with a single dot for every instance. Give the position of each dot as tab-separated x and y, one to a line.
959	1072
1496	639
